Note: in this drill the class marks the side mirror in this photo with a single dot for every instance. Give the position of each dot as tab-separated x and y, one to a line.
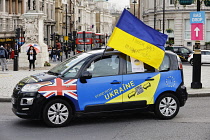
85	75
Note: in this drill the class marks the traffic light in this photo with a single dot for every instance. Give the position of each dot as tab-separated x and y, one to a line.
69	36
74	34
52	37
17	33
83	34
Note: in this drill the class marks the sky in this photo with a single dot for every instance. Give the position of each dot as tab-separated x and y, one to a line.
120	3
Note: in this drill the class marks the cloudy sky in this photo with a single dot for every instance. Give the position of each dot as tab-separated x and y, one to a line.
120	3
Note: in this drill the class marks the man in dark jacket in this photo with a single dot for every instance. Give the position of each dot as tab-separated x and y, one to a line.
3	58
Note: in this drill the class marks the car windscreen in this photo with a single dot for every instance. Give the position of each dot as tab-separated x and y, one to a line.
60	68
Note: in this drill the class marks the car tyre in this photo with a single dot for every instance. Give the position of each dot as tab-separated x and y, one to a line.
167	106
191	62
57	113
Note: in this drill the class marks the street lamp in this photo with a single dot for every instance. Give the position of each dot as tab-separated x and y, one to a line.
66	24
155	14
163	16
134	2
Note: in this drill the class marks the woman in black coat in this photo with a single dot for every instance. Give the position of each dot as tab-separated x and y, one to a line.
31	57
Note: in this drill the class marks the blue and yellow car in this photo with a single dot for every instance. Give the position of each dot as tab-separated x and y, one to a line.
101	81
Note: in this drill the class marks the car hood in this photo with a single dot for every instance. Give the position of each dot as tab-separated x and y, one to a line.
40	77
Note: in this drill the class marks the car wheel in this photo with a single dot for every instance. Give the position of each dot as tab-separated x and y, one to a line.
57	113
191	62
167	106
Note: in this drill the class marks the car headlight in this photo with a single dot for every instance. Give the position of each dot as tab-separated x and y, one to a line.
34	87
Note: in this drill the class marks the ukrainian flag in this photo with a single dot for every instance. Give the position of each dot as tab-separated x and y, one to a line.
134	38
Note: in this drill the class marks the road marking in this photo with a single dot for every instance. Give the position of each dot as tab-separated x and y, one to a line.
3	76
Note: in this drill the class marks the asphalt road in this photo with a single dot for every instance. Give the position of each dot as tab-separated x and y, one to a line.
192	123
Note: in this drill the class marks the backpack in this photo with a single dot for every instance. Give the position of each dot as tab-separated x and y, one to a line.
2	53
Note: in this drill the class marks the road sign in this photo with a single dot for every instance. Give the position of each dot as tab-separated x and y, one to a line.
197	31
197	17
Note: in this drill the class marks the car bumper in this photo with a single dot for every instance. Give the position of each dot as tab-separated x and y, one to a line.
28	111
182	94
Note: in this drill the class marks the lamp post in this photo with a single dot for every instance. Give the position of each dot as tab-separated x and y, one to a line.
66	25
163	16
134	8
155	14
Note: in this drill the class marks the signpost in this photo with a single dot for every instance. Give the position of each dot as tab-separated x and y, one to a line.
197	31
197	19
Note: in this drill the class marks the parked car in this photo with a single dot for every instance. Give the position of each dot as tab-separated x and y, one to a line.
182	52
98	81
205	57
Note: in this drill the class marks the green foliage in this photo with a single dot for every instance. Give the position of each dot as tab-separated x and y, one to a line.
207	43
47	63
169	42
158	30
169	30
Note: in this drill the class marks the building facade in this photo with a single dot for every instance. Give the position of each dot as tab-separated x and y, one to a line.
163	16
61	17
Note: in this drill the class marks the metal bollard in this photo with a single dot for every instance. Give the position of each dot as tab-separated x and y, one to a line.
15	64
196	82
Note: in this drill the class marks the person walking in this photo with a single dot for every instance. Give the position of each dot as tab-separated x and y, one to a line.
31	57
53	54
3	58
65	49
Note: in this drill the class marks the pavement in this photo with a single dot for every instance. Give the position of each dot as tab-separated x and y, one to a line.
8	79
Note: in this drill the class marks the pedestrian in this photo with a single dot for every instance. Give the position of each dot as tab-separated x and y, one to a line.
31	57
169	47
12	55
65	49
53	54
58	54
3	58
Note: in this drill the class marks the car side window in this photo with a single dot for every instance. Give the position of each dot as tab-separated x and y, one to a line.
106	66
147	68
203	53
72	72
183	50
207	53
176	50
165	66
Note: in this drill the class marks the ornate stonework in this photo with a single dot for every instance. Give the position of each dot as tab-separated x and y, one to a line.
34	34
31	29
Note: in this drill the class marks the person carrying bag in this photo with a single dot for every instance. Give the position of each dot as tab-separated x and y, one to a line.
31	57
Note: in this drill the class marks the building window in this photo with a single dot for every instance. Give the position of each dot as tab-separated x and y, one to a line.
187	29
207	30
172	2
171	23
1	25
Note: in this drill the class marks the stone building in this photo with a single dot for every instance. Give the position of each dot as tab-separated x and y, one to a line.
176	17
60	17
11	18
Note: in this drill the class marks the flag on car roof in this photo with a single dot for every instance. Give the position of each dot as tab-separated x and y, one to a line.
134	38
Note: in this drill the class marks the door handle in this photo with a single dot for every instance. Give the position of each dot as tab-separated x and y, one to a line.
149	79
115	82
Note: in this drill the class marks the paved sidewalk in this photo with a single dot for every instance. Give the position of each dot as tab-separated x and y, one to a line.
9	79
